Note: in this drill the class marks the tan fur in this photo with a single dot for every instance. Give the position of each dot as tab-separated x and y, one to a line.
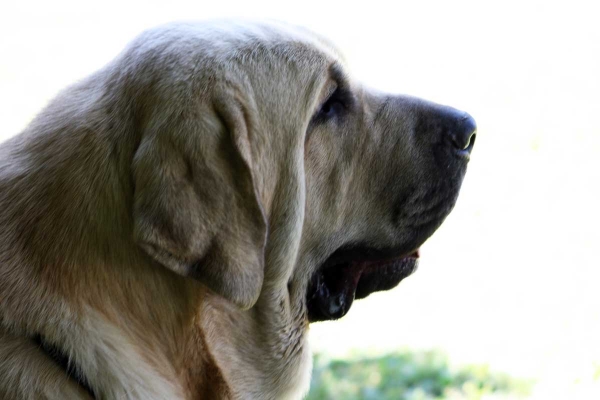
160	220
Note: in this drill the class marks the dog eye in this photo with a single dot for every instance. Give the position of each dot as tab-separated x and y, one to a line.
332	107
335	105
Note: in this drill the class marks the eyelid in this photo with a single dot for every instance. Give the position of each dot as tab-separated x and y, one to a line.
344	95
330	92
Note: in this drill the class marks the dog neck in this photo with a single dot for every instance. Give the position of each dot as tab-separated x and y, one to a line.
265	345
131	326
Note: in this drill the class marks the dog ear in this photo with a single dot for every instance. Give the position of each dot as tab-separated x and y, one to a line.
196	207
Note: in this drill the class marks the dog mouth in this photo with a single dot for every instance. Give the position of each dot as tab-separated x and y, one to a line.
354	273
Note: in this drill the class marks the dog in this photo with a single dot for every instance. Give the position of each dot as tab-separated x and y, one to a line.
171	224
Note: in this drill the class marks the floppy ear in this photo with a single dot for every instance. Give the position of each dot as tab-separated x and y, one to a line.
196	208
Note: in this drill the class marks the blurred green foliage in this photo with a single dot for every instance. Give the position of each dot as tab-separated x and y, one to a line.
409	376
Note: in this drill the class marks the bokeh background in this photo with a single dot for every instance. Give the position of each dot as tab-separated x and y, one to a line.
506	302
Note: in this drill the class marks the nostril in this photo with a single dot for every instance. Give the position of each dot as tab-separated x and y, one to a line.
470	142
463	137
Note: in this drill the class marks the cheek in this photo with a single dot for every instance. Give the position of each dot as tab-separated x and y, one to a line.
336	161
320	159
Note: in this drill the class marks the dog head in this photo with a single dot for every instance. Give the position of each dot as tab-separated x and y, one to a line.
263	167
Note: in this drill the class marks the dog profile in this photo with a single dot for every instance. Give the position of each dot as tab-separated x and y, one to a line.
171	224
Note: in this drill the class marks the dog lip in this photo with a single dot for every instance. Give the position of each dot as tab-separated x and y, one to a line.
349	274
387	261
386	277
365	253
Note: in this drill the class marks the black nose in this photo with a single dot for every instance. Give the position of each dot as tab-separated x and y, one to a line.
463	134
